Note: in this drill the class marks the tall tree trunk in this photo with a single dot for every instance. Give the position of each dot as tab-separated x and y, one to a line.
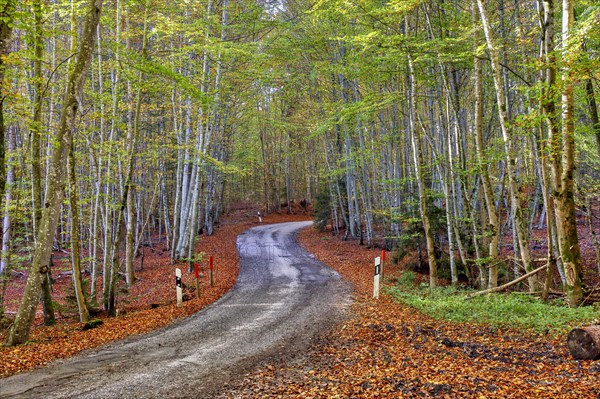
548	77
507	137
214	139
593	107
96	165
36	155
36	186
7	12
564	184
7	222
420	175
75	242
19	332
202	140
490	203
548	105
132	138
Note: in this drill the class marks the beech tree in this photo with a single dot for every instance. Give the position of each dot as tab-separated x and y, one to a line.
19	332
7	11
563	168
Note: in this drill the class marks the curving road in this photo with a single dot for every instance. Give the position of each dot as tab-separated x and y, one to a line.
283	298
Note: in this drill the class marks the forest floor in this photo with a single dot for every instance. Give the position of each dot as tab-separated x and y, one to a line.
385	349
390	350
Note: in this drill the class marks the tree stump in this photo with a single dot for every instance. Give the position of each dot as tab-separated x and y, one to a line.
584	343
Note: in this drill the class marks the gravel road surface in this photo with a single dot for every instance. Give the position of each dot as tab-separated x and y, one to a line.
282	299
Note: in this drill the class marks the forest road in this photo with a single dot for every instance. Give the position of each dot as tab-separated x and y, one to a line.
283	298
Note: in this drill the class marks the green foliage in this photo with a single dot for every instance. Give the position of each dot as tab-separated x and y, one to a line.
7	12
196	258
412	238
322	209
513	310
407	279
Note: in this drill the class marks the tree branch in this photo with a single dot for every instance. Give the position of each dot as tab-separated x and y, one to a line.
507	285
521	78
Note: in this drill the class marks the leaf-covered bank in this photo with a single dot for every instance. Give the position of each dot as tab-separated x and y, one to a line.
390	350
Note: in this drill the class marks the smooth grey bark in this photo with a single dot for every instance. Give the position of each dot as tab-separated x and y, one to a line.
493	230
6	21
7	14
109	185
96	165
215	138
75	238
564	179
507	136
420	176
7	220
36	175
133	134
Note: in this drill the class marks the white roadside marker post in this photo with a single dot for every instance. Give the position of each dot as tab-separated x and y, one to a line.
178	286
376	277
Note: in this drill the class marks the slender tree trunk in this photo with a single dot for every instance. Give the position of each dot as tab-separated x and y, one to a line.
564	189
36	187
75	242
593	107
490	204
7	222
547	76
365	192
132	138
130	238
7	11
548	105
215	140
420	175
36	148
109	185
507	137
96	165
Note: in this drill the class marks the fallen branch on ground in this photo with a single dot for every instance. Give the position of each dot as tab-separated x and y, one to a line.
507	285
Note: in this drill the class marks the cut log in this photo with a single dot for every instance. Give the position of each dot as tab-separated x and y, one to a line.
584	343
91	324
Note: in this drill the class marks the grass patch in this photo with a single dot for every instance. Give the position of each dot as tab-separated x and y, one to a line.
521	311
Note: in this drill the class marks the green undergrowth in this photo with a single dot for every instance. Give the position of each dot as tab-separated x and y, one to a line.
514	310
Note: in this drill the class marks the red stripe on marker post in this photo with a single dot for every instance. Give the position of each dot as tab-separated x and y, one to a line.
211	267
197	282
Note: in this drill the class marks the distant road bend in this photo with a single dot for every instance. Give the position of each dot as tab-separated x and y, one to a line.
282	298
